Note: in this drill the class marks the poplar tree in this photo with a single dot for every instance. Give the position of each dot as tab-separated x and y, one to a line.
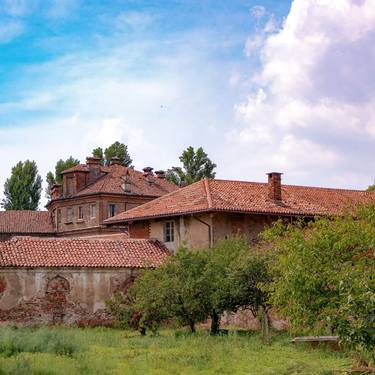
23	188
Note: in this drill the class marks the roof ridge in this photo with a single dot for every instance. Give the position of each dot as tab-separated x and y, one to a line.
208	192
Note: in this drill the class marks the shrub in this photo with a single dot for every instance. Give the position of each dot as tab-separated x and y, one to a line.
324	275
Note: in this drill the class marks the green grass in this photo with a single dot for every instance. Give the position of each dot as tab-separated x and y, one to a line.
109	351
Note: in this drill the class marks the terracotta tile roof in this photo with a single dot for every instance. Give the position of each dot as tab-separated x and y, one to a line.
81	252
24	222
111	183
247	197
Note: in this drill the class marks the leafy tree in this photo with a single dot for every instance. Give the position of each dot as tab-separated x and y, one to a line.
371	188
22	190
324	275
51	180
196	166
116	149
56	178
220	263
188	301
62	165
249	273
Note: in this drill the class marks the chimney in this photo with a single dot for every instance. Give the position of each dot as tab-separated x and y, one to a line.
93	164
274	186
126	184
115	160
147	171
55	191
160	174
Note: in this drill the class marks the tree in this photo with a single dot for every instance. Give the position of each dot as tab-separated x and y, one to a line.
196	165
371	188
324	275
116	149
187	300
220	262
22	190
56	178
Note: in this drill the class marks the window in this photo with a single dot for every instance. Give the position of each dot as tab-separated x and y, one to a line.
80	213
69	215
112	209
69	185
58	216
93	211
169	231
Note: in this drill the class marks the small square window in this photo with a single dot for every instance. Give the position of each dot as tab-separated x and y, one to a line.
112	209
169	231
93	211
69	215
80	213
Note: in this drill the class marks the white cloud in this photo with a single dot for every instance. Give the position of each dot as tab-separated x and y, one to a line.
10	30
310	107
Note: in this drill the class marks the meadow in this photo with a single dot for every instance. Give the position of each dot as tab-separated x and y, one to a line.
111	351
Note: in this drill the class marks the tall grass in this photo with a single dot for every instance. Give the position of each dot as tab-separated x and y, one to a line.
105	351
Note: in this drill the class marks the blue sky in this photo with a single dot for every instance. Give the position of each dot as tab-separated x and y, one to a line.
261	85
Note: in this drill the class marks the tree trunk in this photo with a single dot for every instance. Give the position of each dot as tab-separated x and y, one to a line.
142	331
192	327
215	323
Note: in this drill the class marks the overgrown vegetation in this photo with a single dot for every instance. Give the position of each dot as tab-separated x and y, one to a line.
320	275
110	351
325	277
194	286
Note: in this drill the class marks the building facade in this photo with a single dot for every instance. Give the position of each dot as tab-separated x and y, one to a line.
208	211
68	280
89	194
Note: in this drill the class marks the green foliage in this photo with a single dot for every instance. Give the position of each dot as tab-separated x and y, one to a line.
371	188
187	297
23	188
56	178
62	165
116	149
111	351
196	165
51	180
43	340
194	285
324	275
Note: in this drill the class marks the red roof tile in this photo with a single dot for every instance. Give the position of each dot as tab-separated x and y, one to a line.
112	181
247	197
23	222
81	252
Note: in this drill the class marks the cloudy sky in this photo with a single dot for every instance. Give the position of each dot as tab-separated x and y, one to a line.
267	85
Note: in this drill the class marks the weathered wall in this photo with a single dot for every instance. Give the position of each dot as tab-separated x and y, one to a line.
227	225
59	296
194	231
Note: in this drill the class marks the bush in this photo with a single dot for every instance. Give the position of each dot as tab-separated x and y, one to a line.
324	275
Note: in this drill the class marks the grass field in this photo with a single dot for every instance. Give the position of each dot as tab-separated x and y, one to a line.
108	351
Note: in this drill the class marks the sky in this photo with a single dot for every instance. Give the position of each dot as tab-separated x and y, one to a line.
266	85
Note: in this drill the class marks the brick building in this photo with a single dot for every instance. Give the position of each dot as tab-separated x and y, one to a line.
89	194
68	280
209	210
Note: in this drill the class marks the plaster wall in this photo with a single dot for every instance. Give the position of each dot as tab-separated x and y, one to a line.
59	296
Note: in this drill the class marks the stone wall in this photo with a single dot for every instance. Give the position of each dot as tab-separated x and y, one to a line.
59	296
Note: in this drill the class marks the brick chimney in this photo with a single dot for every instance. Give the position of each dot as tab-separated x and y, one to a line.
147	173
115	160
160	174
126	184
274	186
93	164
55	191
